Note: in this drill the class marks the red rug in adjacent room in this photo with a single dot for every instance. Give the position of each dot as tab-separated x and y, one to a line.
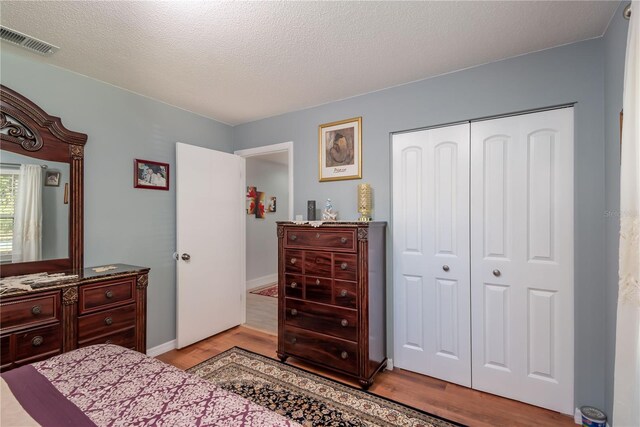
268	291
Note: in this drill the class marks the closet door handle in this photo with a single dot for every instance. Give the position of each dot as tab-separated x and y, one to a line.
445	267
497	273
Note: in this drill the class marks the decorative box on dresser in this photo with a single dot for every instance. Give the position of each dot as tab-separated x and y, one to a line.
91	308
331	296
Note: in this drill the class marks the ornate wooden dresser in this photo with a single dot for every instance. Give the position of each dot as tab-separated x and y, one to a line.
331	296
93	308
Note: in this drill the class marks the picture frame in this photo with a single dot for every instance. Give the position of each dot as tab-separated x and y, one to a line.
340	150
52	179
150	175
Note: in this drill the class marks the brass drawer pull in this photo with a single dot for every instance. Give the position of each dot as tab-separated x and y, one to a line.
37	341
317	281
108	321
294	285
109	294
294	312
343	240
344	323
35	310
294	340
343	293
344	355
108	342
317	235
293	237
293	260
343	266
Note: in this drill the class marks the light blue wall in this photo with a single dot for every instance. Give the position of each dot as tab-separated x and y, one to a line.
615	43
572	73
262	240
122	224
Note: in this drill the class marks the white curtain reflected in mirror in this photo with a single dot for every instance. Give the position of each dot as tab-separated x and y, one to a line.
27	225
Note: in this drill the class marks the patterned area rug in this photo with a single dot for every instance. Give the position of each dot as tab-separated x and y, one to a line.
269	291
307	398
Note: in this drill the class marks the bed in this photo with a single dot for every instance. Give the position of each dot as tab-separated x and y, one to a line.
108	385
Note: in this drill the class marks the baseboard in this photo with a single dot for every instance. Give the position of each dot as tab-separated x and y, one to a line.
389	364
262	281
162	348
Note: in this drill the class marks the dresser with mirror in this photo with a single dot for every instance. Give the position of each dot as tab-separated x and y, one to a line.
50	303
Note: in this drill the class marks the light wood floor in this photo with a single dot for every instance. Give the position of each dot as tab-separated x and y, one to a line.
446	400
262	313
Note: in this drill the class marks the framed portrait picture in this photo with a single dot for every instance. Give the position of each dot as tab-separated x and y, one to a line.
150	174
52	179
340	150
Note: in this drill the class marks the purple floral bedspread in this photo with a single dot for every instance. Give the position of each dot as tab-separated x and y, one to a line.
115	386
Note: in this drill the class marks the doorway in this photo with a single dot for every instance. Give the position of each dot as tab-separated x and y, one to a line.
269	199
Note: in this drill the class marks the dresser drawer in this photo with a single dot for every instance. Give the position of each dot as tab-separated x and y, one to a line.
345	267
332	352
345	294
318	289
293	261
45	341
105	322
330	320
342	240
106	294
293	285
317	264
27	312
126	338
5	352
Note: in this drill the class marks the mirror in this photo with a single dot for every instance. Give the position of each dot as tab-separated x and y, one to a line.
34	209
41	189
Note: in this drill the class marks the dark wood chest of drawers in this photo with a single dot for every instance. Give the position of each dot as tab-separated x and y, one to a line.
331	296
58	318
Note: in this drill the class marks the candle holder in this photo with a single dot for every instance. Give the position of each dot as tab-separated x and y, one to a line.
364	202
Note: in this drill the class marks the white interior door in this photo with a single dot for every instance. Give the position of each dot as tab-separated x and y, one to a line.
431	252
522	257
210	231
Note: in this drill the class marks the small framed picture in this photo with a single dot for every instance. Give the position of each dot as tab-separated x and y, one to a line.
340	150
150	174
52	179
272	204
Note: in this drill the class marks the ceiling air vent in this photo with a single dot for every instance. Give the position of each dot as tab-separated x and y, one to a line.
27	42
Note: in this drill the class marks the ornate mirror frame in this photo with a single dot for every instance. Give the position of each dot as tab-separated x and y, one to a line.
26	129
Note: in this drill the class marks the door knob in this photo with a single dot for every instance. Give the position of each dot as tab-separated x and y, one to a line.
445	267
185	257
496	273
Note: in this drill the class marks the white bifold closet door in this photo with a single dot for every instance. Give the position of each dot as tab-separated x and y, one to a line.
431	252
483	255
522	257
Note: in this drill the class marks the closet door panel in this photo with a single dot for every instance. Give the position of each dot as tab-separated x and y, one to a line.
431	252
522	250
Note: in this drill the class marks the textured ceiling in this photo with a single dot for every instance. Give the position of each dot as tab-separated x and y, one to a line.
238	62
